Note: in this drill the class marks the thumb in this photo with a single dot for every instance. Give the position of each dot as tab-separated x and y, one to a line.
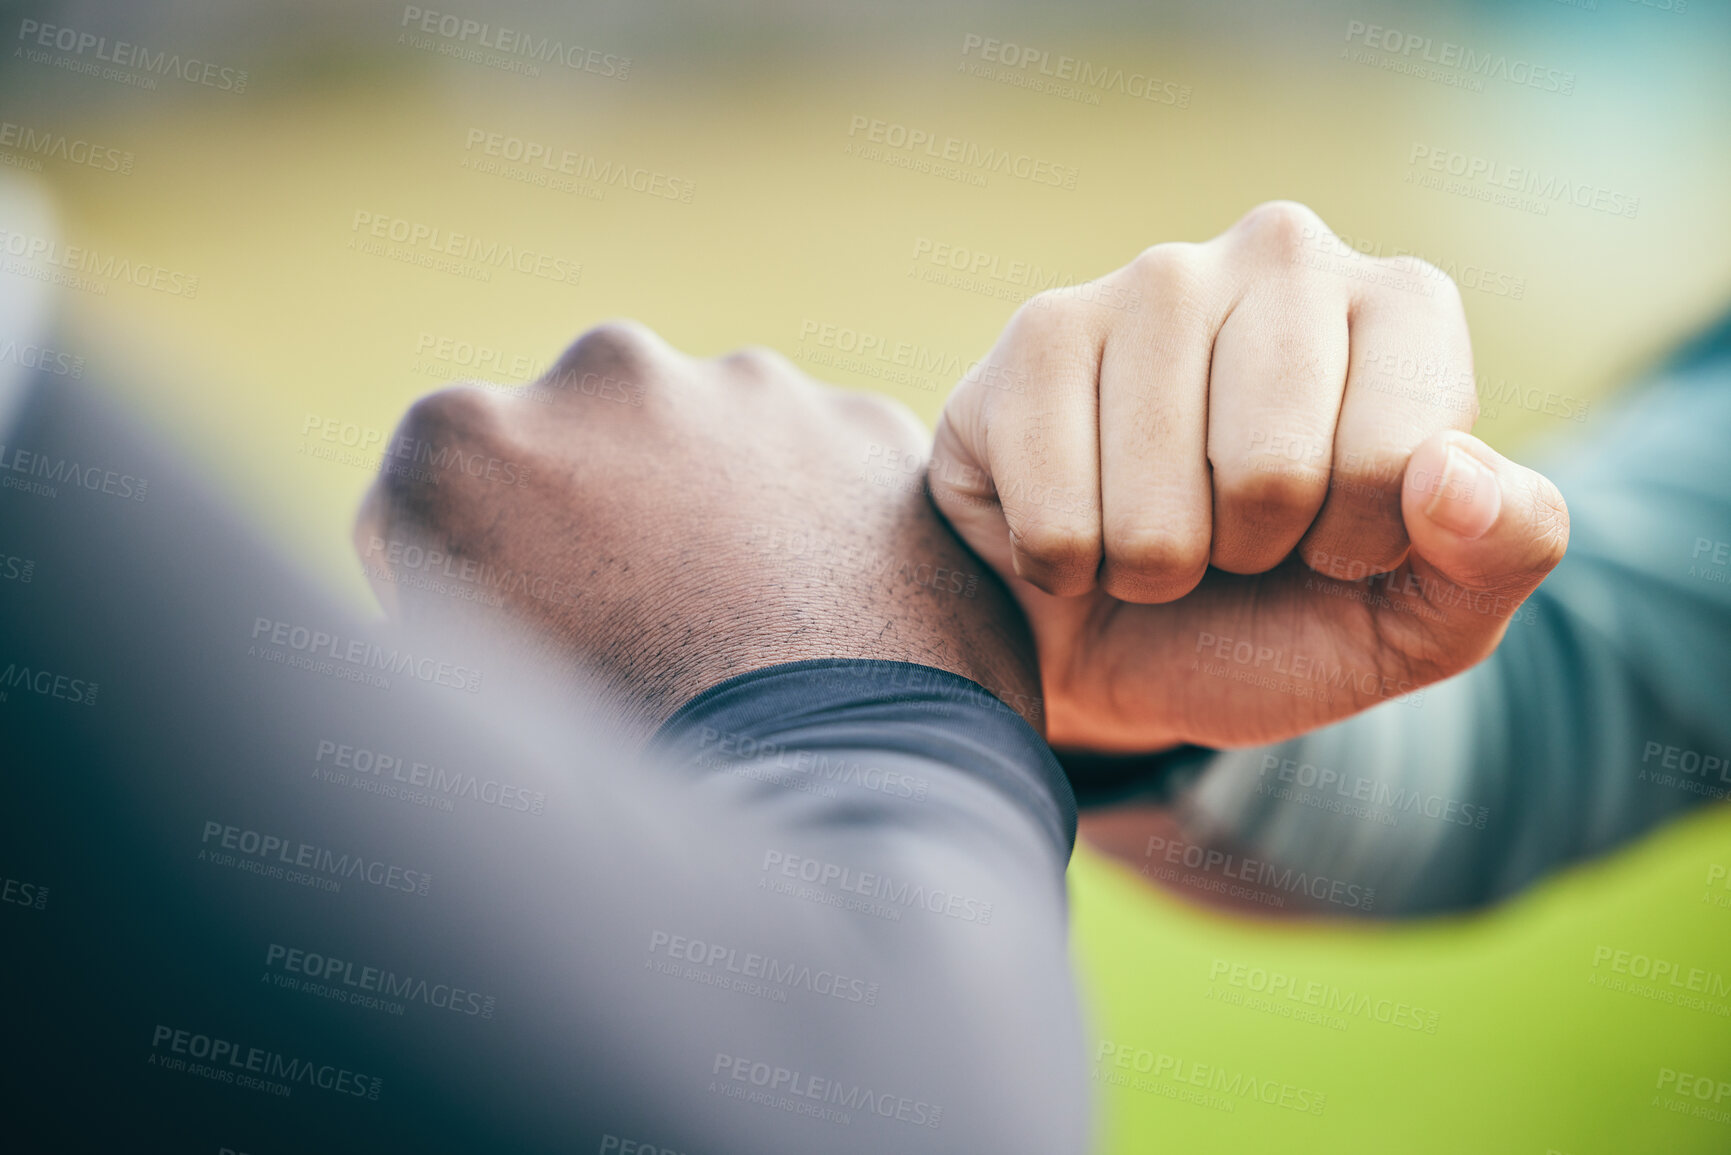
1484	530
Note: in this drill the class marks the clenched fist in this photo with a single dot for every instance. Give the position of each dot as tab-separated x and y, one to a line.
1232	487
664	522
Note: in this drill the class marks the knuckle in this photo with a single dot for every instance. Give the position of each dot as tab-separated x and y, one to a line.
1422	290
1050	316
886	421
1049	331
1351	548
1154	551
1331	556
1063	545
760	363
622	346
456	415
1283	492
887	413
1283	227
1169	272
435	443
1369	478
1448	293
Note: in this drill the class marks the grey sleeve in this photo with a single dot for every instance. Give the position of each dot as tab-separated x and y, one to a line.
1602	714
278	880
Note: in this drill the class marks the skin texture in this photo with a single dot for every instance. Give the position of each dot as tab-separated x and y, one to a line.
1232	487
681	521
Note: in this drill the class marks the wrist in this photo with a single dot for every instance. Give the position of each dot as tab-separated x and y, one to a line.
1092	706
901	590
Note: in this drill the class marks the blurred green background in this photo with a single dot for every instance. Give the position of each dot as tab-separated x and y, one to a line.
786	231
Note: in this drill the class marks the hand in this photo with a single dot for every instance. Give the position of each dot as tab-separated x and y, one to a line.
666	523
1231	486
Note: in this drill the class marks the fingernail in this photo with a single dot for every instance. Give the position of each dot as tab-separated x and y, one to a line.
1468	497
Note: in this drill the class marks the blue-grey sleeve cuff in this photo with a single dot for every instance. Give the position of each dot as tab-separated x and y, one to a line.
900	707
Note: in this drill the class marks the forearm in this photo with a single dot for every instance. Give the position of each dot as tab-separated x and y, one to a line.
224	814
1600	715
919	821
